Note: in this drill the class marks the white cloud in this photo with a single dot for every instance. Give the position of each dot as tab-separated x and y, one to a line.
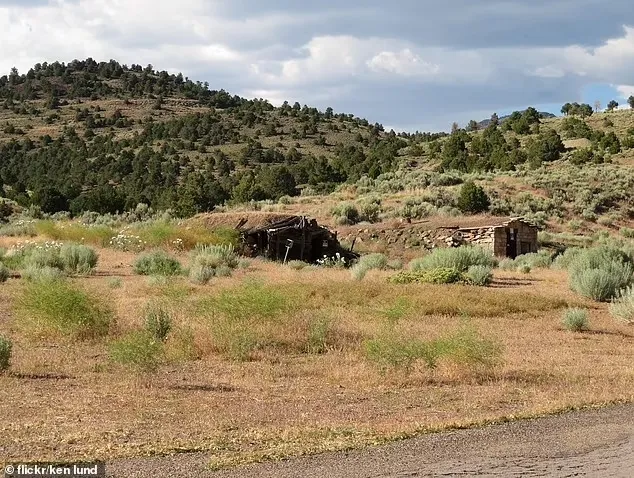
625	90
403	63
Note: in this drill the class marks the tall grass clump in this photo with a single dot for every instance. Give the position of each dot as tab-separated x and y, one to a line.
4	273
42	274
536	260
460	259
464	347
98	235
6	346
170	233
575	320
480	275
157	263
247	318
209	261
58	306
158	322
622	306
139	350
78	259
601	272
367	263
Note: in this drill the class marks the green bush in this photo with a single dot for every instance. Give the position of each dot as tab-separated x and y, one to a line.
6	347
367	263
346	213
507	264
627	232
61	307
158	322
439	275
473	199
4	273
575	320
480	275
373	261
535	260
601	284
210	261
460	259
524	268
39	257
319	331
138	350
622	306
78	259
42	274
157	263
600	272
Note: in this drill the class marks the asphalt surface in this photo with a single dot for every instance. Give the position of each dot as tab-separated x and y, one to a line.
593	443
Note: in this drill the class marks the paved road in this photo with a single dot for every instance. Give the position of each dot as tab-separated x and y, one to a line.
593	443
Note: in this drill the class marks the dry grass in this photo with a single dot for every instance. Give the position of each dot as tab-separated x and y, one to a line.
286	398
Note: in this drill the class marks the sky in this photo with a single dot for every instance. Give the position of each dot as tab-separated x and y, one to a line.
407	64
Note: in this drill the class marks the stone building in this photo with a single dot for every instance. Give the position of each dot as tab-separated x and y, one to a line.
509	238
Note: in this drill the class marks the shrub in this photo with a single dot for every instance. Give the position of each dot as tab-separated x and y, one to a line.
4	273
6	347
358	272
157	263
627	232
535	259
138	350
346	213
575	320
460	259
42	274
622	306
210	261
507	264
480	275
59	306
318	332
600	272
373	261
524	268
42	256
601	284
473	199
78	259
158	322
440	275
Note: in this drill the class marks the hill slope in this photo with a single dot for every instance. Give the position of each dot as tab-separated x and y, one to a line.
104	137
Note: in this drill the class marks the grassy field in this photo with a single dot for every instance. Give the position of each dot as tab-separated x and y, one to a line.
273	361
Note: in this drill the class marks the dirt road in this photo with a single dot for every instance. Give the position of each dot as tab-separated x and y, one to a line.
595	443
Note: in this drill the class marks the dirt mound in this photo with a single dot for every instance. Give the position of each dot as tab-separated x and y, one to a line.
246	220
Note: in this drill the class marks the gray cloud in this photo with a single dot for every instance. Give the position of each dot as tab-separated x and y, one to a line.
409	63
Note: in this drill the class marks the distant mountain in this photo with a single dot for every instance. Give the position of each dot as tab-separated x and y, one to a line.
484	123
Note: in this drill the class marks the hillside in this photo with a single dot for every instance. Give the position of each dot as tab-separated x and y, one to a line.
104	137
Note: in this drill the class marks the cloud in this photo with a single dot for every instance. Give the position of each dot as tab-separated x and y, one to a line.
420	62
403	63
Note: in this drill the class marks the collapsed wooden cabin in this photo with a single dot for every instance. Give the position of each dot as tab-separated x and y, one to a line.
277	236
295	238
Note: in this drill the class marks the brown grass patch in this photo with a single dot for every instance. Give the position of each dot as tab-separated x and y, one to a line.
288	399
